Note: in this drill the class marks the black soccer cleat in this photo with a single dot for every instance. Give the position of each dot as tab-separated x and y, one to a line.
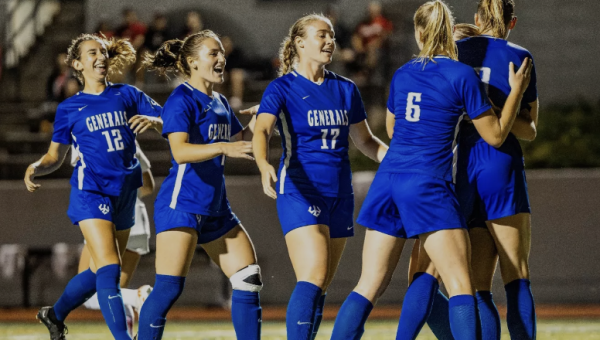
57	329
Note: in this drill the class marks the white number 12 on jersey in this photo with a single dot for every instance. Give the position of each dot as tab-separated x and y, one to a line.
413	111
118	140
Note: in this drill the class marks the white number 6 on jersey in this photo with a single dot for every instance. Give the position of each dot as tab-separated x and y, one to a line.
413	111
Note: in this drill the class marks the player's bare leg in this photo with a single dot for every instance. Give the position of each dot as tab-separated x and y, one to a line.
235	254
512	235
232	251
483	264
381	253
308	248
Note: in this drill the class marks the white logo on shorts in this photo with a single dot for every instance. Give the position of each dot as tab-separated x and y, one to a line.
314	210
104	208
199	218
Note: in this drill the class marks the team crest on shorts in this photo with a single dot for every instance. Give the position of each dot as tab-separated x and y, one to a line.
104	208
199	218
314	210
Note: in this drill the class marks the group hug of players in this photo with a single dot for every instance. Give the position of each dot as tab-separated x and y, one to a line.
453	177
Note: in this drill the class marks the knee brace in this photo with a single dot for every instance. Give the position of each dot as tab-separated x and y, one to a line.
247	279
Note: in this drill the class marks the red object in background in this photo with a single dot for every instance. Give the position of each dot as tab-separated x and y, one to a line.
373	29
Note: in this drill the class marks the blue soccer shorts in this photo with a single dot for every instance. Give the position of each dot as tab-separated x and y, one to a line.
491	182
209	228
85	205
298	210
410	204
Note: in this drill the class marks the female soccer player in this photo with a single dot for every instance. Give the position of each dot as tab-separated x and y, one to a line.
412	193
491	183
192	205
315	111
106	178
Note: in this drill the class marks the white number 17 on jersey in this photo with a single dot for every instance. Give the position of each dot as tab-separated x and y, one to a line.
413	111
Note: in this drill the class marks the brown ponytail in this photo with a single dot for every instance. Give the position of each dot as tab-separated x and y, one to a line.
435	21
171	56
288	53
120	53
495	15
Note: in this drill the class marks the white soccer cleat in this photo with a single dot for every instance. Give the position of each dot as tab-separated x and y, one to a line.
142	295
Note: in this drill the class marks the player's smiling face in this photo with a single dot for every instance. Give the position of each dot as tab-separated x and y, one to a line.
318	43
93	60
209	63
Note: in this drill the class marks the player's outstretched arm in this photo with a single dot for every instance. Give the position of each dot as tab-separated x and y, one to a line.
49	163
368	144
185	152
248	132
494	129
265	123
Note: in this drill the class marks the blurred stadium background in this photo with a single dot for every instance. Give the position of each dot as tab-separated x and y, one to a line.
39	247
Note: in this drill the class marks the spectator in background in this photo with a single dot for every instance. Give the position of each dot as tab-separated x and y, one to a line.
193	24
343	55
104	28
370	39
157	33
234	73
56	84
131	28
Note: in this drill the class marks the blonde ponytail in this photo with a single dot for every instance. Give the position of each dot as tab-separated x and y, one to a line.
120	55
434	20
288	54
495	15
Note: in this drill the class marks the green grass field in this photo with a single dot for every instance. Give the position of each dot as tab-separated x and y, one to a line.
384	330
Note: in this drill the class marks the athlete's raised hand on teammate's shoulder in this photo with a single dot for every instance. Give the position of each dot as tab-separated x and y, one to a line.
268	174
251	110
141	123
240	149
29	176
520	80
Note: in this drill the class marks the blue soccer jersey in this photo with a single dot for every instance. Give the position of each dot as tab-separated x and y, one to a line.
490	57
314	122
97	126
427	101
198	188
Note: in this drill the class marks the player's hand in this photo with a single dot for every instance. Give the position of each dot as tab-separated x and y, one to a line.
267	174
141	123
250	111
29	176
520	80
240	149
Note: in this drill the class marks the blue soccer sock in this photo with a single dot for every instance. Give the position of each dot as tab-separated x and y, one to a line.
351	318
417	305
318	316
153	318
246	314
111	302
439	319
520	316
301	310
463	317
78	290
489	316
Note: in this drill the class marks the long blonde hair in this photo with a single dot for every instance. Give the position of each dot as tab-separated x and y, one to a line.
495	15
171	56
435	21
288	54
462	31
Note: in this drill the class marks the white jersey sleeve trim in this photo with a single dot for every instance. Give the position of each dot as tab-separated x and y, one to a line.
288	150
177	188
80	170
